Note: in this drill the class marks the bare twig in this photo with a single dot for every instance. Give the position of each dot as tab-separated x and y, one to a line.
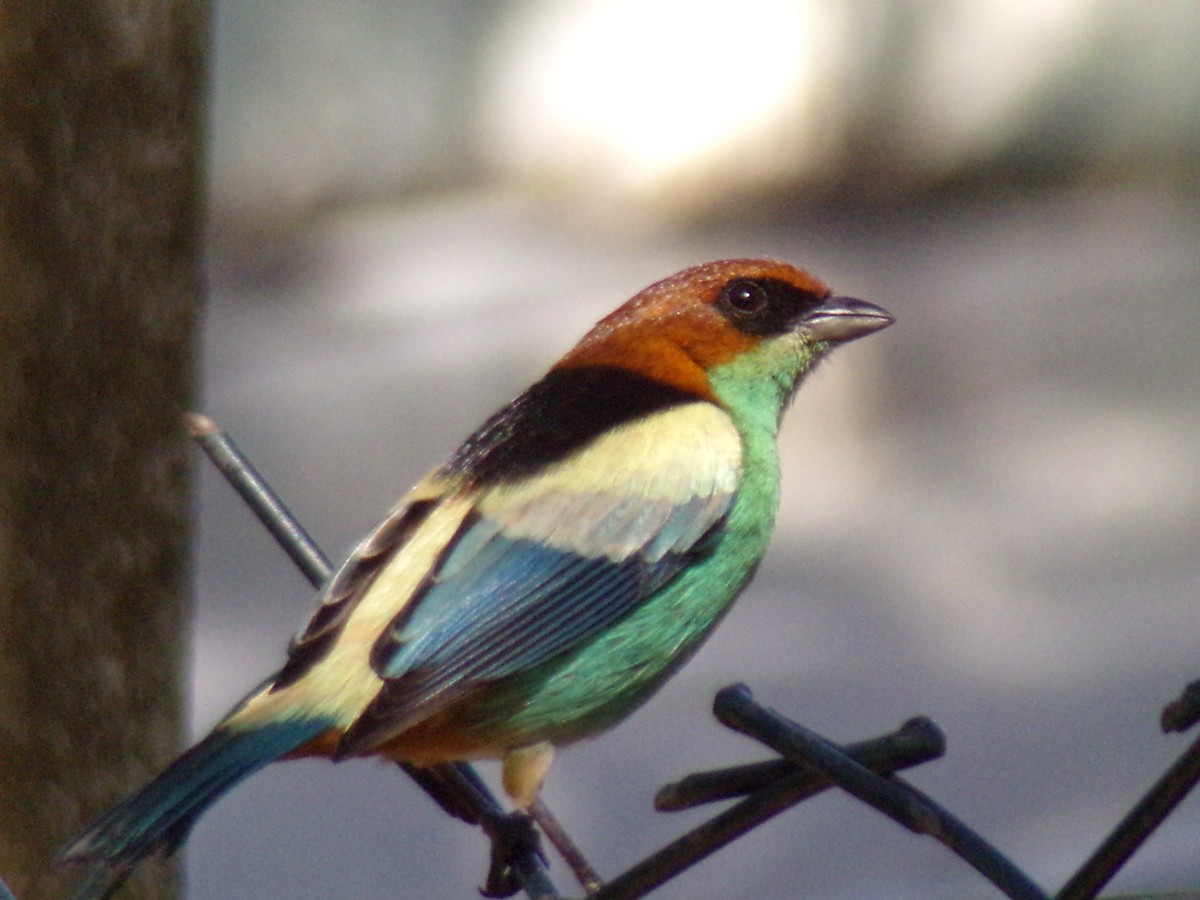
1184	712
481	805
587	876
735	708
716	785
1133	830
219	447
917	742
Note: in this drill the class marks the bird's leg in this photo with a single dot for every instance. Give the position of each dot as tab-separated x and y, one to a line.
524	771
514	837
462	794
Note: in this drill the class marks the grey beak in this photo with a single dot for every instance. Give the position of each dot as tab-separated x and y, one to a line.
841	319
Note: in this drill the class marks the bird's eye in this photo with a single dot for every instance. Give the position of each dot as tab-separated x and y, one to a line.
764	305
745	297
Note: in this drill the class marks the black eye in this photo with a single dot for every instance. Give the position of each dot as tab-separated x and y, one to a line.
765	306
745	297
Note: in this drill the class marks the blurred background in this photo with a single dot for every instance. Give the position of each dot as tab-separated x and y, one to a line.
990	511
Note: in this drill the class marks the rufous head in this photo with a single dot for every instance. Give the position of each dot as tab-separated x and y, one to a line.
682	327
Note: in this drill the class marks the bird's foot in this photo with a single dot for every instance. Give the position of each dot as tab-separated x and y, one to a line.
514	838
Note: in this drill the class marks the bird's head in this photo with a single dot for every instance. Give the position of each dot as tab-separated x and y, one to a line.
737	331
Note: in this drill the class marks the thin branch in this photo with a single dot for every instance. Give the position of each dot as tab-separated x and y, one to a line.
527	864
917	741
716	785
219	447
1135	828
587	876
1184	712
735	708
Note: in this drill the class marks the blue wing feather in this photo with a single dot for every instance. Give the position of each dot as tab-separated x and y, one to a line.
543	565
507	605
516	603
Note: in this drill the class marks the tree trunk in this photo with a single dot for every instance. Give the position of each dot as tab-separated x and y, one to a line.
101	212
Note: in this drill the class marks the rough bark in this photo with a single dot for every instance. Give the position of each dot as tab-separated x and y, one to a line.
101	210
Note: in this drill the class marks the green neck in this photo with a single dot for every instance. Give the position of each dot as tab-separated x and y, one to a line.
757	387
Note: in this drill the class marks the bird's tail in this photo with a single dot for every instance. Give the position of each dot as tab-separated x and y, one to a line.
160	815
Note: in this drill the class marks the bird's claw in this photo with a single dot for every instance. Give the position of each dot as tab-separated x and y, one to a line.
514	838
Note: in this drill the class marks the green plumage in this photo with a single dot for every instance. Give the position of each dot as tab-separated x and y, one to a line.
595	685
534	590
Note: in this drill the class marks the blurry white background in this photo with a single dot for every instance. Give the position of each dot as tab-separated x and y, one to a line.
991	511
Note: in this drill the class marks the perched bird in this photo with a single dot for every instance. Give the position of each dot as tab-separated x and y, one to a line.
539	586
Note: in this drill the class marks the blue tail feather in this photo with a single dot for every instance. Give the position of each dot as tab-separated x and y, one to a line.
160	815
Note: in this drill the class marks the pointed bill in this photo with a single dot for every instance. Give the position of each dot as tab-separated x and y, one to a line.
841	319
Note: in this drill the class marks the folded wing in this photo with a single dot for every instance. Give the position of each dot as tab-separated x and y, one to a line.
543	564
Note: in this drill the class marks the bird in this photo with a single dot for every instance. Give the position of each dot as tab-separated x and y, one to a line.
542	583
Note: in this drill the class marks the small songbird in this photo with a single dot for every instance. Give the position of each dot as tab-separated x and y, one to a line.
539	586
